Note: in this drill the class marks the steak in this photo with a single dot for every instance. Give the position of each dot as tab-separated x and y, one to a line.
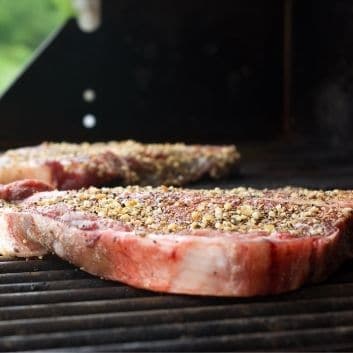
239	242
72	166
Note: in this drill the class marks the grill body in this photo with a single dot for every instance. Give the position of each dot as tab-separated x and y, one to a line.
195	78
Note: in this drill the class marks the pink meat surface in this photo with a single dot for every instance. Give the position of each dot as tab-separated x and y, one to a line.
202	242
72	166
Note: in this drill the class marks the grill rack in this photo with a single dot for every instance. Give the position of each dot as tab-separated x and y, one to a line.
49	305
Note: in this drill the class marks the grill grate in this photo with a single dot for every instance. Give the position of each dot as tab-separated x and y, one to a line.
48	305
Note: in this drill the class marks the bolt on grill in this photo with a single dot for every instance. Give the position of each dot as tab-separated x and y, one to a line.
47	305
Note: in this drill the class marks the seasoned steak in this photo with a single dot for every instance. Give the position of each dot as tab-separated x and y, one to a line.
298	195
72	166
205	242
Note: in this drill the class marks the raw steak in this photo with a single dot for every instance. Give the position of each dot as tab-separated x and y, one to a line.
71	166
299	195
207	242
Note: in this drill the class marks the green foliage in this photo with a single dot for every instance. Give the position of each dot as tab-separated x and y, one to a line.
24	24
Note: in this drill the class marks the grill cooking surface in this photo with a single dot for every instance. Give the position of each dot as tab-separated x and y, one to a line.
47	304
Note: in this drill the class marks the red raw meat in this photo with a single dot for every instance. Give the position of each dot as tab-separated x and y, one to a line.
202	242
72	166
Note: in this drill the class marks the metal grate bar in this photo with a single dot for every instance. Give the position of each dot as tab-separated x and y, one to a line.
195	336
55	275
271	341
100	306
184	305
55	285
33	265
210	322
7	258
329	347
72	295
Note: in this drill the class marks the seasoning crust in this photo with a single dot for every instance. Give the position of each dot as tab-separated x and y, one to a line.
128	161
174	210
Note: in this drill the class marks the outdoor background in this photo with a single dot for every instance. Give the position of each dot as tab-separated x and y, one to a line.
24	25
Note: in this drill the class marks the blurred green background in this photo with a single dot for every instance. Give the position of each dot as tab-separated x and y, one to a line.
24	25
